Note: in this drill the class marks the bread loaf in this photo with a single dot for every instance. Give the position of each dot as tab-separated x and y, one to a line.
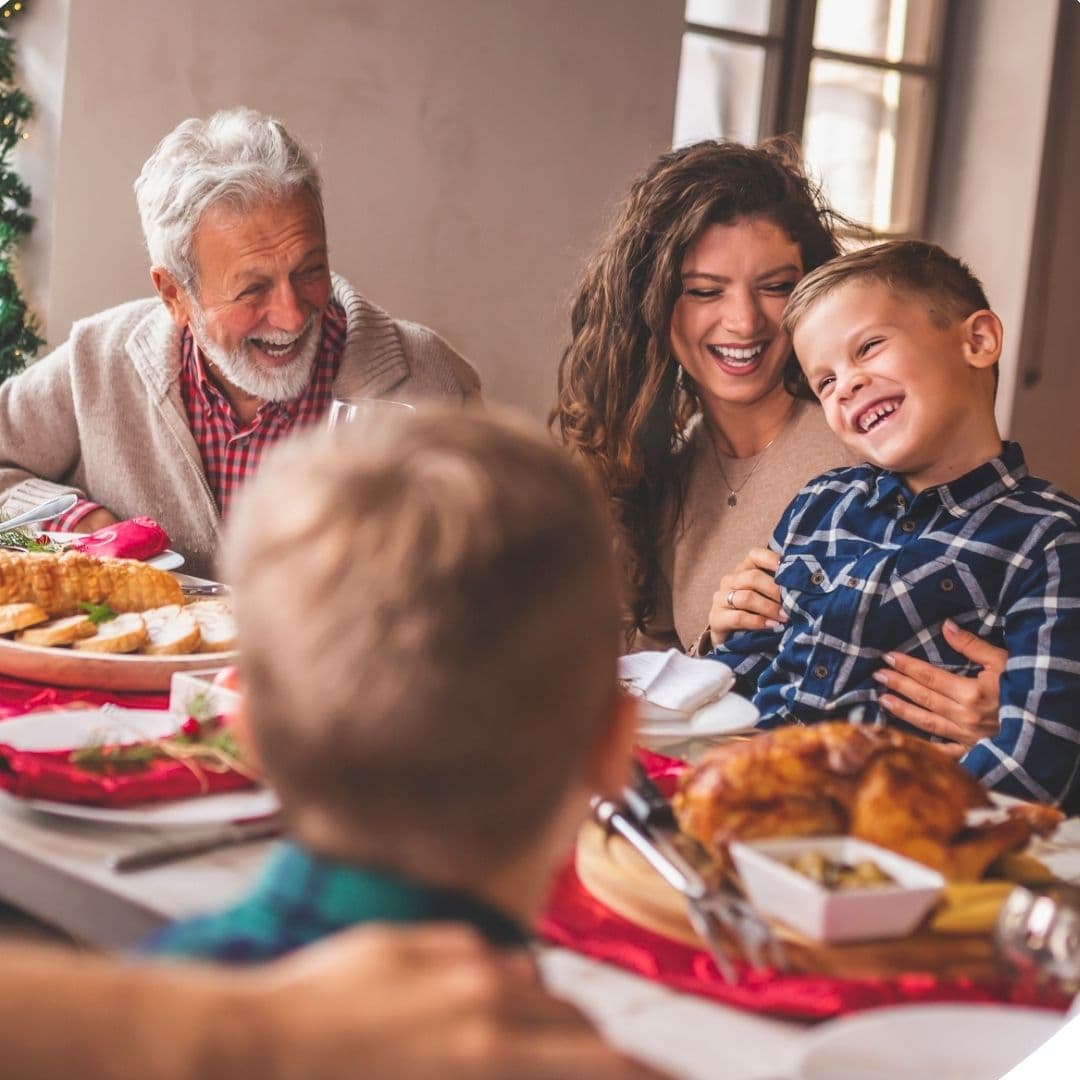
60	584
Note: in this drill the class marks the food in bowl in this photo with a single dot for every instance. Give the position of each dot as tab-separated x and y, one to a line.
837	875
887	910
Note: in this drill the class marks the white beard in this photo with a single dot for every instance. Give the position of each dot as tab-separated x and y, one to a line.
245	372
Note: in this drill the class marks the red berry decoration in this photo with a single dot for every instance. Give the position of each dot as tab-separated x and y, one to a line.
191	728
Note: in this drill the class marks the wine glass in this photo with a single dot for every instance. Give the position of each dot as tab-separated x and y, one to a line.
366	410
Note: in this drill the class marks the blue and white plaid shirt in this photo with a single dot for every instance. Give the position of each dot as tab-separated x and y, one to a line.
867	568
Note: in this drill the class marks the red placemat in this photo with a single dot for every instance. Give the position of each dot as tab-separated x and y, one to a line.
575	919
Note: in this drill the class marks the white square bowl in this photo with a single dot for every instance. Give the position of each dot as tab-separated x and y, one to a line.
188	687
832	916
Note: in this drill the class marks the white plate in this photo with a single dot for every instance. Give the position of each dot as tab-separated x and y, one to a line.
102	671
166	560
961	1042
728	716
61	730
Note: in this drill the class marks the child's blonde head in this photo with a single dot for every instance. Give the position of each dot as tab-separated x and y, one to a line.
429	628
923	271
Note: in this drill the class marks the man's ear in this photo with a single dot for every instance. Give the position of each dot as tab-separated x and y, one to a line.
173	295
983	336
609	767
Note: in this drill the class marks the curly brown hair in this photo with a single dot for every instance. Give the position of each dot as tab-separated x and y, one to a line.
622	405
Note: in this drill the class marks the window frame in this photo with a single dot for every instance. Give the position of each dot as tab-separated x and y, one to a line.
789	51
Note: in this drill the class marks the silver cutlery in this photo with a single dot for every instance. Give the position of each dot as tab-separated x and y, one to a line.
45	511
724	921
158	852
210	589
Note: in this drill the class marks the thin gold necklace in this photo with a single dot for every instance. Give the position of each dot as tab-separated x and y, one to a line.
733	492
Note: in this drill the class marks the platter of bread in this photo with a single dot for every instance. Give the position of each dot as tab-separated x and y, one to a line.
880	785
72	619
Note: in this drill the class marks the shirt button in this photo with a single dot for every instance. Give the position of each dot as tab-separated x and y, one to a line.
820	671
907	526
817	577
947	585
852	581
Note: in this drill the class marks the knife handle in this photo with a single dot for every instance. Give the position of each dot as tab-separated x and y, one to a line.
669	864
158	853
646	801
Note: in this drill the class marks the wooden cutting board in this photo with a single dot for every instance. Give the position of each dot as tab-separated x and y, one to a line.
620	879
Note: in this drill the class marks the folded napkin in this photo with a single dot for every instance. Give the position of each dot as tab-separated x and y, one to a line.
50	774
136	538
674	680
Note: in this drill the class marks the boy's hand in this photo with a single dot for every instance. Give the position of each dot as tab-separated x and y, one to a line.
748	598
957	707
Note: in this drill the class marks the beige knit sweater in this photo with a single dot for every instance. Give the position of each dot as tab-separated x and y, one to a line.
102	415
712	538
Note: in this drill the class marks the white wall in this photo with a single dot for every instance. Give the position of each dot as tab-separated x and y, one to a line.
991	155
1046	415
470	149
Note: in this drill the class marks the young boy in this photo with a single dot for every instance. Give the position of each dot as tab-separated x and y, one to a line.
945	522
432	728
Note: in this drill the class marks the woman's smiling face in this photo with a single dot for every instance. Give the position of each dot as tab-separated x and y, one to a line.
725	328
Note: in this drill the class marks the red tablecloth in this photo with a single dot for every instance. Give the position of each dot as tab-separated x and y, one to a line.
574	919
18	696
48	775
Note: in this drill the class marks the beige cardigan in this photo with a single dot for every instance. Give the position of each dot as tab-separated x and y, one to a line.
102	415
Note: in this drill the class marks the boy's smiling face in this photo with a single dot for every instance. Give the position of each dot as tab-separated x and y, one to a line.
899	390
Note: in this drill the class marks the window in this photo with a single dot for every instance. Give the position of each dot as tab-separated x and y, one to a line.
857	82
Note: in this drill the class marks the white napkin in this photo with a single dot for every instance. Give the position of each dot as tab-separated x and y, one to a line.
674	680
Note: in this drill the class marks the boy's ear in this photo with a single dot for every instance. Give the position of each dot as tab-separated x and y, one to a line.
240	722
983	335
608	769
172	295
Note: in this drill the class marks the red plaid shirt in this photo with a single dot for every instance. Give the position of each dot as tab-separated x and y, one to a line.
230	453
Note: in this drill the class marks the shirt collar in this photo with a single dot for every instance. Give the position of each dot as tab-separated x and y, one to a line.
961	496
348	894
215	398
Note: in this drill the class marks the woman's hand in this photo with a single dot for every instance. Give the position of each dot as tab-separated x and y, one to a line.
748	598
960	708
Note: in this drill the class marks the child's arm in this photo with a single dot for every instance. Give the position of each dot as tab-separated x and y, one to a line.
1036	753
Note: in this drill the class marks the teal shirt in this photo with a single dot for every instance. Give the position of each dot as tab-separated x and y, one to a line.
301	897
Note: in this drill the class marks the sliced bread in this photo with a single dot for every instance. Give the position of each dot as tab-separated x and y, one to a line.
123	634
170	630
63	631
216	625
18	616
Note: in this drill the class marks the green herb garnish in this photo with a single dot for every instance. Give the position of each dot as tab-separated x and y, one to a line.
97	613
27	540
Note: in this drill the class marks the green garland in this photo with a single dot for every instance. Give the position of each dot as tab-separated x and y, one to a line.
19	340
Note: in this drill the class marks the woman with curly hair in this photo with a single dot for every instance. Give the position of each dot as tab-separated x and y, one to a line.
681	393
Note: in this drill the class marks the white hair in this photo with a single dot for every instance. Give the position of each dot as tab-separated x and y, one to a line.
239	157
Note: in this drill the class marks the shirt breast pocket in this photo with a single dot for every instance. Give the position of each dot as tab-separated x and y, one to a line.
937	590
810	582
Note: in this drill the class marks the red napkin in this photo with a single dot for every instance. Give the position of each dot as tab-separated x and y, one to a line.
136	538
49	774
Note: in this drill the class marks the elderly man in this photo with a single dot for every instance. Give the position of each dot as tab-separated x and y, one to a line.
164	407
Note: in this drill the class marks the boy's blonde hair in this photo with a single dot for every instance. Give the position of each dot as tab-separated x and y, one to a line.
429	628
925	271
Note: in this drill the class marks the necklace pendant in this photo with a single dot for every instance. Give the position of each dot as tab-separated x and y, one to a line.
732	501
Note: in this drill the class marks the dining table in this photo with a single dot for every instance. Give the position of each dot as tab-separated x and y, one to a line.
60	871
